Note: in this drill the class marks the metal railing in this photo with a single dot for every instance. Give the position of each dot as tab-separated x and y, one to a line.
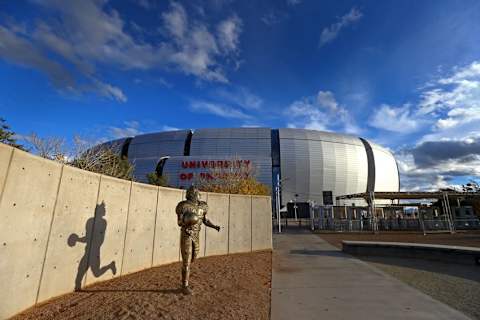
394	224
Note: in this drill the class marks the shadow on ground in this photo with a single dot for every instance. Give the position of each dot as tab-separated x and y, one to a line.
327	253
451	269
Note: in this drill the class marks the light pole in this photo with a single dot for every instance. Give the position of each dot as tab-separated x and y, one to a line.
295	206
277	197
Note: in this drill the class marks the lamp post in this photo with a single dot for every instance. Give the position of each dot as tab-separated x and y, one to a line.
278	187
295	206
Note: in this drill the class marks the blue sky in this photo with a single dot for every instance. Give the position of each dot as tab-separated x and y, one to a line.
405	74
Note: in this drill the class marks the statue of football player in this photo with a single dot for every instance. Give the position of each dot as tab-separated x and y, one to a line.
191	213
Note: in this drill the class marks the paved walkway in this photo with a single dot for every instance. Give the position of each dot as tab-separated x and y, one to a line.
313	280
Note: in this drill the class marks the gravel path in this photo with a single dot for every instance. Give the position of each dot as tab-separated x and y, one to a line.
225	287
455	285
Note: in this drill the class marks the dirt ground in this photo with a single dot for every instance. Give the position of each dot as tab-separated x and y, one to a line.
468	239
224	287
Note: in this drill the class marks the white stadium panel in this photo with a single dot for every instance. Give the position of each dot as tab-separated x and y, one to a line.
386	170
232	141
311	161
315	161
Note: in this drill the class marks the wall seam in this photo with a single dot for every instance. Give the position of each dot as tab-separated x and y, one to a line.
84	280
251	223
229	227
7	173
205	231
126	227
49	232
155	226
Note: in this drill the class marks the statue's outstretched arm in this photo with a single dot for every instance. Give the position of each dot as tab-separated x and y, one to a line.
208	223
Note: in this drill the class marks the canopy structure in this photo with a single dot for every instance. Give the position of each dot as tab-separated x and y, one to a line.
409	195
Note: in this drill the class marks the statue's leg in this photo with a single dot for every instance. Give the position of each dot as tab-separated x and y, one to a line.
196	246
186	250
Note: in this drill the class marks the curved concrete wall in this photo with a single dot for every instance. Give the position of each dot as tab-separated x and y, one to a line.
118	224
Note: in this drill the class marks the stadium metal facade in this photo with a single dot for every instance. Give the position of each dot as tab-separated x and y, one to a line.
309	163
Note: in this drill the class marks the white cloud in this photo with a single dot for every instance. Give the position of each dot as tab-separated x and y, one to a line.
145	4
169	128
321	112
327	100
240	96
293	2
175	20
396	119
133	128
331	32
109	91
448	115
86	34
436	173
14	47
453	102
130	129
218	110
271	18
229	33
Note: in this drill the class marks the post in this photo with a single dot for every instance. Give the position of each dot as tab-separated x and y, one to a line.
278	204
372	212
295	207
312	215
422	223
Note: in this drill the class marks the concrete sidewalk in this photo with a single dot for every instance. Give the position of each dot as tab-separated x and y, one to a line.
312	279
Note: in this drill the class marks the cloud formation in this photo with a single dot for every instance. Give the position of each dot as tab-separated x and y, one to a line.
239	97
396	119
130	129
86	34
320	112
218	109
448	117
331	32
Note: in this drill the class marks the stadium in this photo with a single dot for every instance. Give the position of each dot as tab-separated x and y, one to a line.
313	166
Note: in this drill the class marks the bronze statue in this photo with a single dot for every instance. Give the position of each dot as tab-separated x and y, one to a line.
191	213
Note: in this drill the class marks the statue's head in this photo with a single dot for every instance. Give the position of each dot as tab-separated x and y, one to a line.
193	194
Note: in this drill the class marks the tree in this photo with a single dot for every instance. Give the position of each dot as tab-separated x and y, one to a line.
236	176
102	159
7	136
52	148
155	179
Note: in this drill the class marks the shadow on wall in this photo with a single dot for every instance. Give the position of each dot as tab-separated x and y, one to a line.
93	239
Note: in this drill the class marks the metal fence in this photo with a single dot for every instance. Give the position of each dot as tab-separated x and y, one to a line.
341	219
405	224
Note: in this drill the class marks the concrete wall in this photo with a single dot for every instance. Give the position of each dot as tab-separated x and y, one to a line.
26	211
167	236
61	226
76	202
140	229
240	224
261	223
218	212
